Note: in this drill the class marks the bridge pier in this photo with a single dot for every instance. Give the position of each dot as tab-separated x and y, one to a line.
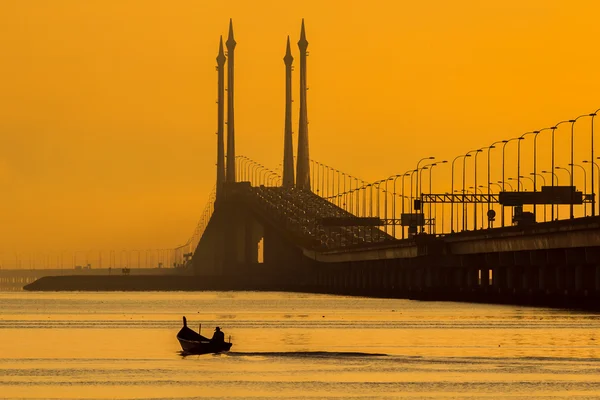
485	277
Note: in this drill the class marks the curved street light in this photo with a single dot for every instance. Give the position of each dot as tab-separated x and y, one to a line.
554	128
554	177
503	178
475	185
584	186
512	189
434	205
592	159
572	163
490	147
535	174
521	138
519	185
452	192
528	177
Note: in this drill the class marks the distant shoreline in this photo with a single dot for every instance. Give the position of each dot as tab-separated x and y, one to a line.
141	283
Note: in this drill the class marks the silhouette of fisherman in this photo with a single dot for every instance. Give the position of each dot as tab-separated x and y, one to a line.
218	336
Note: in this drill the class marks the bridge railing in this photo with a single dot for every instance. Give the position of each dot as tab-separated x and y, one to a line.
182	255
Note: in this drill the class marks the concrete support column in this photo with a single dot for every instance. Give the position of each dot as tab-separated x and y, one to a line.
579	276
510	276
499	281
472	277
525	279
559	283
542	285
485	277
462	277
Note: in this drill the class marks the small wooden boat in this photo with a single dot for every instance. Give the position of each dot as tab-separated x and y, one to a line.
194	343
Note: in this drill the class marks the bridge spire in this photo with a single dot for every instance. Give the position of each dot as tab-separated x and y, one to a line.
220	119
303	161
288	146
230	117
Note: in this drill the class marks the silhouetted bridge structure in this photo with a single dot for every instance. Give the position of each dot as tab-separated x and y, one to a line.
272	232
263	231
552	263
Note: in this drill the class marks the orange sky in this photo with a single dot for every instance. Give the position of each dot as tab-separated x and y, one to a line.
108	114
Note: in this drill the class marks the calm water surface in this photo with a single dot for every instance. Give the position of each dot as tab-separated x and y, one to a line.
286	345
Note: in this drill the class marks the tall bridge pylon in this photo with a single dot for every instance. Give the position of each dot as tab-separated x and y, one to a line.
220	120
303	161
230	112
288	146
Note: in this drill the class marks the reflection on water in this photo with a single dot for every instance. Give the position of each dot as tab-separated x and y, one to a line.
288	345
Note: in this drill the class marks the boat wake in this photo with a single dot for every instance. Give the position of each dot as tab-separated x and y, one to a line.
305	354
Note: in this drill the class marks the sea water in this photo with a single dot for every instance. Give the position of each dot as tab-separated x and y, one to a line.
122	345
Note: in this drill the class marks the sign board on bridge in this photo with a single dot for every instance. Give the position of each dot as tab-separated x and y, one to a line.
413	219
548	195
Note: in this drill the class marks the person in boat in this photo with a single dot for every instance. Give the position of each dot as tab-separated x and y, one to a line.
218	336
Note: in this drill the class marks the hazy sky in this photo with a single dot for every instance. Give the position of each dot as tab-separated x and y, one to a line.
108	114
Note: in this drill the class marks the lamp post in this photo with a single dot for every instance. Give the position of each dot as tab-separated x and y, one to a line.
427	167
570	180
554	128
497	184
527	177
395	177
554	177
418	186
357	207
518	183
572	163
312	171
253	174
337	193
420	174
464	205
592	160
565	169
434	205
595	164
482	219
365	198
378	183
385	201
249	167
512	189
535	174
521	138
419	162
475	185
490	147
407	173
503	179
263	179
584	185
452	192
316	176
475	191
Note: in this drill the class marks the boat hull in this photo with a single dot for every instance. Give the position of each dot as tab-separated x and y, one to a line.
203	347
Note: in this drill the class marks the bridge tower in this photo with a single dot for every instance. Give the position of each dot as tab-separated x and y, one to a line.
220	120
303	161
230	117
288	146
